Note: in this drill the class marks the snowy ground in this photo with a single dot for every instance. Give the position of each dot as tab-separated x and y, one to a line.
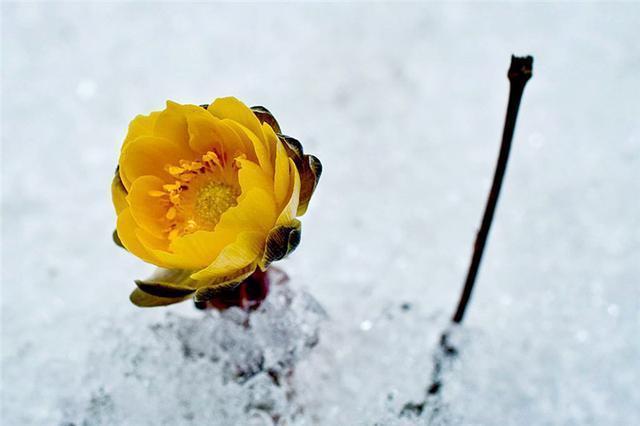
404	105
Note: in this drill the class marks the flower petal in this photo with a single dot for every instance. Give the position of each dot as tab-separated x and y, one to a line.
259	148
148	211
152	242
252	175
309	168
171	123
235	110
256	211
281	182
149	155
142	125
237	256
126	229
208	133
289	212
198	249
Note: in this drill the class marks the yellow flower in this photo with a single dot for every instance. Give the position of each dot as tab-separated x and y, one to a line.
208	194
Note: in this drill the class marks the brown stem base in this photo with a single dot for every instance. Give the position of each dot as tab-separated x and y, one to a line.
249	294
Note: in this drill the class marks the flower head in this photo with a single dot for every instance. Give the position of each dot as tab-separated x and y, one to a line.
208	194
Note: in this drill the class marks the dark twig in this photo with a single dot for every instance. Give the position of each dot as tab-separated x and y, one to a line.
519	73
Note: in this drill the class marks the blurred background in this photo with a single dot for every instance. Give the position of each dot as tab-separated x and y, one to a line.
404	105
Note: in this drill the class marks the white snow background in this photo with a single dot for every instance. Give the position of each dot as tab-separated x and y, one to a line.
404	105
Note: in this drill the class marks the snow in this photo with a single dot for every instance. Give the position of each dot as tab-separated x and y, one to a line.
403	103
219	368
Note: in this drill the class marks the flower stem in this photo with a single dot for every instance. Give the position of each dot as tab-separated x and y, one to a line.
519	73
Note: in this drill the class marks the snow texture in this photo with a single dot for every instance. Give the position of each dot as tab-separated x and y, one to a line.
220	368
403	103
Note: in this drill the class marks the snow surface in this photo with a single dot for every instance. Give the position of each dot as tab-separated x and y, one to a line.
403	103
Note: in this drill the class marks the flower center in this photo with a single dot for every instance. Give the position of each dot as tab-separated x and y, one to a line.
202	191
212	200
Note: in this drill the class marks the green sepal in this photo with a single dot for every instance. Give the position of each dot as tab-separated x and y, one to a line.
116	239
117	181
210	290
281	242
146	300
294	149
207	293
163	290
167	286
117	185
265	116
309	176
309	167
169	283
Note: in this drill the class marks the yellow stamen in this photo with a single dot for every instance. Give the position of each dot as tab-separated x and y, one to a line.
171	213
175	171
236	160
174	198
174	234
211	156
171	187
186	177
